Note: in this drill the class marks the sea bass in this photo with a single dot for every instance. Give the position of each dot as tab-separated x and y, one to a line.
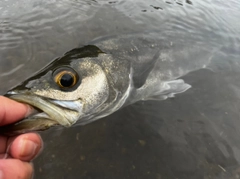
93	81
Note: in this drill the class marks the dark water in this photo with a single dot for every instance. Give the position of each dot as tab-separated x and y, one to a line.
195	135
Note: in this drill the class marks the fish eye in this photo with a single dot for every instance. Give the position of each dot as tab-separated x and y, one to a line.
65	77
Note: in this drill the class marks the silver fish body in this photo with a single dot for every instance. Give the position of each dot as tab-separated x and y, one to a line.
95	80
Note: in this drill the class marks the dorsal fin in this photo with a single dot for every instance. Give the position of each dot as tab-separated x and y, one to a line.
85	51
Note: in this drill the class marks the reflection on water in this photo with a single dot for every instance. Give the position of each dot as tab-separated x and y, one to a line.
195	135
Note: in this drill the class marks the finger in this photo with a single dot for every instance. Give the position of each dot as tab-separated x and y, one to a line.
12	111
26	146
15	169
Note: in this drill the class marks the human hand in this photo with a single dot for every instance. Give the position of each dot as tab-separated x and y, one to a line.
16	152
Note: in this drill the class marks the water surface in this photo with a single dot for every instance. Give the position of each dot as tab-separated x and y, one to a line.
195	135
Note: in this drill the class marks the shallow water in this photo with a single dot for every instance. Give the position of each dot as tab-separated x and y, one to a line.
194	135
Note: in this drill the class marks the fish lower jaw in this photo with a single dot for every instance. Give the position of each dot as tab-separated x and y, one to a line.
41	115
45	116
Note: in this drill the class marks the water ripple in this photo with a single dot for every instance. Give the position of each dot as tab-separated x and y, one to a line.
36	31
32	29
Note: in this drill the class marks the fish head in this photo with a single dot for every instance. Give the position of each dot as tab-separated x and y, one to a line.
71	88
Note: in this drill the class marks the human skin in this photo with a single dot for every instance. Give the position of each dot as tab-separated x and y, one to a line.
17	152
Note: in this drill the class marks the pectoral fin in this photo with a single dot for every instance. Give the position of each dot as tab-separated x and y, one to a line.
168	89
142	68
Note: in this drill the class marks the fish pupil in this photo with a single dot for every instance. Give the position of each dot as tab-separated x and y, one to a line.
67	80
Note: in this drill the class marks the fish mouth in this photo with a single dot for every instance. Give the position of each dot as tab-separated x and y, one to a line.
47	113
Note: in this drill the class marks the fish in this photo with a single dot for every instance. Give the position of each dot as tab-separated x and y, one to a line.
95	80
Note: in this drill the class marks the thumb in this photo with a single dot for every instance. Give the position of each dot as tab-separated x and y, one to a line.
14	168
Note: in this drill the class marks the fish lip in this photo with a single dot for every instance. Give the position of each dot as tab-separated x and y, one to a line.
50	112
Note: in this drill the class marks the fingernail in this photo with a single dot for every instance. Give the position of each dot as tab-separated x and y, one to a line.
28	148
30	111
